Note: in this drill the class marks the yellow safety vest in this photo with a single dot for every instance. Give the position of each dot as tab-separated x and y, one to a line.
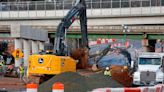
1	64
107	73
21	69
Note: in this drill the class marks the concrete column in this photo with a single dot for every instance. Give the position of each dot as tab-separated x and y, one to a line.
26	46
18	45
75	43
71	42
78	42
35	47
15	30
144	43
152	43
41	45
148	45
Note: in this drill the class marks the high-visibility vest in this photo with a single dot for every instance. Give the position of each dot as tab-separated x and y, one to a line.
1	64
21	69
107	73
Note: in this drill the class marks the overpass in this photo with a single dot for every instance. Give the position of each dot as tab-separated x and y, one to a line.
102	16
116	16
99	13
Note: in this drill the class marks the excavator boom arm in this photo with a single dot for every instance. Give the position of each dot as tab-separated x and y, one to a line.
79	10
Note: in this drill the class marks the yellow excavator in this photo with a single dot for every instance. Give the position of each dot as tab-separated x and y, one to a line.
47	65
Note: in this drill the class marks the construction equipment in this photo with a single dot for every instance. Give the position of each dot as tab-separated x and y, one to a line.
48	65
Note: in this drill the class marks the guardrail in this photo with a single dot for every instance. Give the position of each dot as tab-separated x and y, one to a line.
156	88
67	4
133	29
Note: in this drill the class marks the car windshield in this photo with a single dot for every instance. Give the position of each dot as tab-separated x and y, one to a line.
150	61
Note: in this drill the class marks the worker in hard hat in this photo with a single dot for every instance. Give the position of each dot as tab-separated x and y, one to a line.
125	67
41	51
107	72
1	68
21	71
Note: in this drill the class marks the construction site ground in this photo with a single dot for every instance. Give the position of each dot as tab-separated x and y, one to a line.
72	82
9	84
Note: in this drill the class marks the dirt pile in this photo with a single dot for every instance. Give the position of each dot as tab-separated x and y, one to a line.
74	82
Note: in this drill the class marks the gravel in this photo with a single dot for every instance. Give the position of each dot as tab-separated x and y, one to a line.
74	82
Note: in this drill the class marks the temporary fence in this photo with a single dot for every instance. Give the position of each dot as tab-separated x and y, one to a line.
157	88
101	41
59	87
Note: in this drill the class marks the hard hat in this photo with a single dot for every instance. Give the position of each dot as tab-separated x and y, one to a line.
107	68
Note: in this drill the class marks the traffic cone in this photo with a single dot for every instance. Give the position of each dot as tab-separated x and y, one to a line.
58	87
31	87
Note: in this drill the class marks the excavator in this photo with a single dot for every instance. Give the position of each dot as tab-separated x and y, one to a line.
46	65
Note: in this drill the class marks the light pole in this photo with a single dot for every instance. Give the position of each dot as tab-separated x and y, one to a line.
125	31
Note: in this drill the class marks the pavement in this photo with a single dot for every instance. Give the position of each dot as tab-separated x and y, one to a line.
8	84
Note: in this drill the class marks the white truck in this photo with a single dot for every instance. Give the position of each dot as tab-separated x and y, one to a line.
150	69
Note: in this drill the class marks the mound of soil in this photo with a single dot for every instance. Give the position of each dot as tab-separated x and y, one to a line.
74	82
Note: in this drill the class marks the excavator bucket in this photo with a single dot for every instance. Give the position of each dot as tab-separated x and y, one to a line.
82	56
121	75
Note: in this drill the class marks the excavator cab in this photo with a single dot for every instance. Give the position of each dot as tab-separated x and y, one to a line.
48	48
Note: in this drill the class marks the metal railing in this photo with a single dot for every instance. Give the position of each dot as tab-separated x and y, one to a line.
133	29
101	8
91	4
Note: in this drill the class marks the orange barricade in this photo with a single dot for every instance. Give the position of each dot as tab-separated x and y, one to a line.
58	87
31	87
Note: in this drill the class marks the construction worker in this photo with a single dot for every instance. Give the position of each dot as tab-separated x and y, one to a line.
1	68
107	72
21	71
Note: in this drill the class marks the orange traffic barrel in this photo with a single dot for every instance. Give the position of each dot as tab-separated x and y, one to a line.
58	87
31	87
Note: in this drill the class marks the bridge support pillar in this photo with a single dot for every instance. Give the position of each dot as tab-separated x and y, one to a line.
35	47
72	43
27	49
79	42
148	45
18	45
41	45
